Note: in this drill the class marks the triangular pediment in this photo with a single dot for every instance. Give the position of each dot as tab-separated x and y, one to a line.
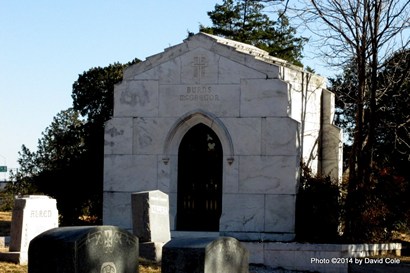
243	54
225	77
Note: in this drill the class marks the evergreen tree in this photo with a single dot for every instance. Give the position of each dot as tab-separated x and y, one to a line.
68	163
245	21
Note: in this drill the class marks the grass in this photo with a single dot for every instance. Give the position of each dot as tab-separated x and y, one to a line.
12	268
149	267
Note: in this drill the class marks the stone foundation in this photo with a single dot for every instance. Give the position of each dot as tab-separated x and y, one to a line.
325	258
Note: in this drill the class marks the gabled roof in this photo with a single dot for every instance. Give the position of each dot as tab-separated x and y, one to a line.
246	48
226	47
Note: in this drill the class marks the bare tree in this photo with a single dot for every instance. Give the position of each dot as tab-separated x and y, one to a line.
364	33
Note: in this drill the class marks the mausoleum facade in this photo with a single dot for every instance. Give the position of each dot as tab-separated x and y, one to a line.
221	127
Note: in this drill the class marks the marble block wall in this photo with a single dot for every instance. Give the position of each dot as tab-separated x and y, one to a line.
248	99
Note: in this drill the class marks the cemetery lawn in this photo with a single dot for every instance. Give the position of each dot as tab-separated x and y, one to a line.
12	268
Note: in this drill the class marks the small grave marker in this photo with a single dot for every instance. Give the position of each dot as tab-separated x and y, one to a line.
32	215
205	255
150	217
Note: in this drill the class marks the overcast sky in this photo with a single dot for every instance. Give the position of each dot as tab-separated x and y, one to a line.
45	45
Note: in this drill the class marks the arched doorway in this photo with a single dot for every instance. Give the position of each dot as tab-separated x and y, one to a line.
199	198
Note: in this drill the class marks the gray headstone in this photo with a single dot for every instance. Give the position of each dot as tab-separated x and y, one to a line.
98	249
150	216
32	215
205	255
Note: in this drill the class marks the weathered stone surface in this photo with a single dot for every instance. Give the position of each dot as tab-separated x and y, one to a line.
148	134
32	215
118	135
133	98
264	98
331	141
266	114
302	257
84	250
262	180
130	173
244	215
204	255
150	214
177	100
150	218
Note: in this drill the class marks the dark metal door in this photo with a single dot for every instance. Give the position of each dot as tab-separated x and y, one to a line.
199	199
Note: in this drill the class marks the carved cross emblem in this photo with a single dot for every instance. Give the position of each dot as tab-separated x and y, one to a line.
199	65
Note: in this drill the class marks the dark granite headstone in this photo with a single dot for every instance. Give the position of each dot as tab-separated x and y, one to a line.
90	249
204	255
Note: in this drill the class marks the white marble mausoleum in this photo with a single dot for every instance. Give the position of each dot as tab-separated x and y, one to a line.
221	127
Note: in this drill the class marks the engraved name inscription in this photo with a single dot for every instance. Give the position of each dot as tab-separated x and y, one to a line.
159	209
199	93
40	213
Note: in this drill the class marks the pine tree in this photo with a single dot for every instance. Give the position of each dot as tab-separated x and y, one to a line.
245	21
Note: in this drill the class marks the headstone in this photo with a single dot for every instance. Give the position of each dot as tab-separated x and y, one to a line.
32	215
150	217
105	249
205	255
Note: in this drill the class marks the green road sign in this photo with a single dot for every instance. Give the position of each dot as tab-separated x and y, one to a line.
3	169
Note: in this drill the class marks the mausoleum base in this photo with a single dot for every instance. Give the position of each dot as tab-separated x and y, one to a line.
241	236
194	234
314	257
260	237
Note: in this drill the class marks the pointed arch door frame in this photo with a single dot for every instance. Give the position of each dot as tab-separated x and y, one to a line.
172	144
199	196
